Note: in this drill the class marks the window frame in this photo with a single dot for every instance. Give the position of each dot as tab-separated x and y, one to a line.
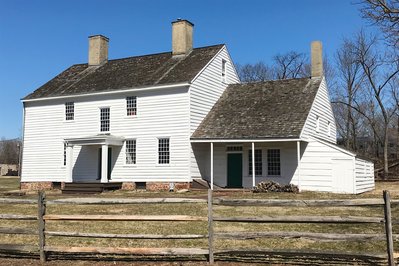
223	70
69	106
257	163
109	119
270	162
159	159
133	152
134	108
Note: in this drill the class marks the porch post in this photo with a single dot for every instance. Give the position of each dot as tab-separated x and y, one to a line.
298	148
104	163
69	162
253	164
211	165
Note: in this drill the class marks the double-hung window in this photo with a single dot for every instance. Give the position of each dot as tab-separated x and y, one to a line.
258	162
163	151
69	111
131	106
104	119
273	162
131	151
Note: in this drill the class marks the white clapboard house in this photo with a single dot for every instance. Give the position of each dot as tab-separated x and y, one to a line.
165	120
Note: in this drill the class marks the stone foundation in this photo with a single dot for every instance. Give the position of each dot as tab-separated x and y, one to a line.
164	186
128	186
36	186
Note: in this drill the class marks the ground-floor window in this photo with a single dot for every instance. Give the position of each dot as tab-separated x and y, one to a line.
65	154
273	162
131	151
163	151
258	162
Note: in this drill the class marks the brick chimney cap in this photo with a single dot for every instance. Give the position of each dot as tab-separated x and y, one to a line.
183	20
99	35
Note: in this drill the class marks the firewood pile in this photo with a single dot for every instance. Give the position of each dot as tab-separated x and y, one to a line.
271	186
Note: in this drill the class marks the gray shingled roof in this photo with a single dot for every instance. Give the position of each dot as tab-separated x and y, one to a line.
126	73
271	109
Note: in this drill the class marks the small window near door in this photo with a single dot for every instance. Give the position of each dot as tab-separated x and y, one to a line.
69	111
273	162
258	162
104	119
65	154
131	151
234	148
163	151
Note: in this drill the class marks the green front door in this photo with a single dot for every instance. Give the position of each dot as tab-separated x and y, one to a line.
234	170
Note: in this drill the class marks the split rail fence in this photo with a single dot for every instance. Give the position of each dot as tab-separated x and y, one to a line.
210	252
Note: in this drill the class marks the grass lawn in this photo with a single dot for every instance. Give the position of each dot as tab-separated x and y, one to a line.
201	227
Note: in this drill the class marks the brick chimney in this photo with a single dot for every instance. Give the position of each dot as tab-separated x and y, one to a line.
317	59
98	50
182	37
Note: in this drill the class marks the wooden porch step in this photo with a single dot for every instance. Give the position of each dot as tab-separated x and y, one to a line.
89	188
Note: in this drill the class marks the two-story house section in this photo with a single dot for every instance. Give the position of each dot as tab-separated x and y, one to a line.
127	120
167	120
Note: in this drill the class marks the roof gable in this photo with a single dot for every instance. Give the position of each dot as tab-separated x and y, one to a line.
271	109
127	73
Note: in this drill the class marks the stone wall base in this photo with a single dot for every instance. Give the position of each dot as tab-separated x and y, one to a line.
36	186
156	186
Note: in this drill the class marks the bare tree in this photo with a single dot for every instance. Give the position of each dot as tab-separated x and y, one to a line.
257	72
385	14
378	75
349	80
290	65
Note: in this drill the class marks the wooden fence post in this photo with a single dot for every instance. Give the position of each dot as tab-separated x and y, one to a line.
210	227
41	224
388	227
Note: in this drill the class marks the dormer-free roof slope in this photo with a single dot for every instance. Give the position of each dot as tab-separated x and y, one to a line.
261	110
128	73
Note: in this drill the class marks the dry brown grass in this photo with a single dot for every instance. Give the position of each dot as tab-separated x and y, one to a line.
201	227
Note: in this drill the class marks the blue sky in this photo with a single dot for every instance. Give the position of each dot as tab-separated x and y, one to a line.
39	39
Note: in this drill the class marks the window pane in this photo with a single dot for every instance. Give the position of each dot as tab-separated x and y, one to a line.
131	106
131	151
65	155
273	162
69	111
163	151
258	162
104	119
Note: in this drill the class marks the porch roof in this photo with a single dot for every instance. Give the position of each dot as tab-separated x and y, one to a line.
100	139
221	140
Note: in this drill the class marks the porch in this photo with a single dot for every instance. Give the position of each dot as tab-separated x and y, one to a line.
90	160
245	163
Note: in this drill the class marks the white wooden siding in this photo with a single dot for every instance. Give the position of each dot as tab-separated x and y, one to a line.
321	108
205	90
317	166
161	113
364	174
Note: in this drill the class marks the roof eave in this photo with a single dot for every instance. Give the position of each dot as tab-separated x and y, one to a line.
135	89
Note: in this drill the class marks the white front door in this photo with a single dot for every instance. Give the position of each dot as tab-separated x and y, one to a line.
342	174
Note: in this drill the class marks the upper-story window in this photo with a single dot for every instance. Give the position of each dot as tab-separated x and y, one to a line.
317	123
329	128
273	162
104	119
69	111
224	70
131	106
163	151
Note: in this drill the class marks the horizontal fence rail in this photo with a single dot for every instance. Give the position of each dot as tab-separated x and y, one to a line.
212	235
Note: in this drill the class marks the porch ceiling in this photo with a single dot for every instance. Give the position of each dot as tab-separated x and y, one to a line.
100	139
